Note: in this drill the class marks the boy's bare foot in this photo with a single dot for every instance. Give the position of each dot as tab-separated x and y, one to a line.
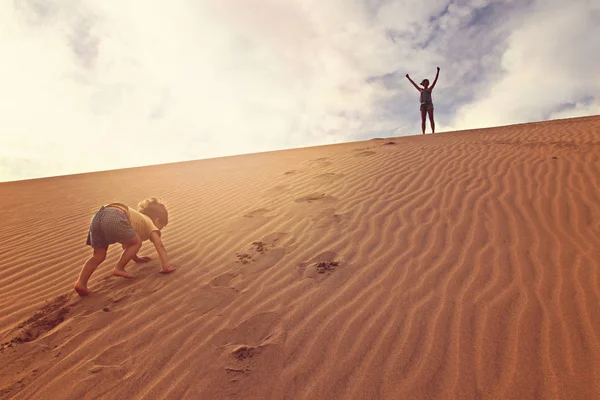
81	290
122	273
168	270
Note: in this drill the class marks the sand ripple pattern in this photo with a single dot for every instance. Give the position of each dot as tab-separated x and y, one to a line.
463	265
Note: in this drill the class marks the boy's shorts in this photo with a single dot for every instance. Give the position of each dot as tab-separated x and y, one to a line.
109	226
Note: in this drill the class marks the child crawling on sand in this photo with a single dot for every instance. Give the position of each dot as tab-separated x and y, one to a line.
115	222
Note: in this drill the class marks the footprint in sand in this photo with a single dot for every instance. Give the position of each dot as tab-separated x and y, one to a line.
276	190
118	292
565	145
224	280
262	254
204	299
328	177
316	198
321	266
365	153
250	355
326	267
256	257
244	351
115	371
261	212
251	220
321	162
328	218
252	343
362	149
113	361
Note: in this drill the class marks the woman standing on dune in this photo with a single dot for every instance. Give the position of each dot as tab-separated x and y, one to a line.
426	101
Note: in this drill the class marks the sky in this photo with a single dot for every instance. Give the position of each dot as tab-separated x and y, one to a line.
97	85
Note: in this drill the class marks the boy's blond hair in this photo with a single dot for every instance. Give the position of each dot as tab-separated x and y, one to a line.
154	208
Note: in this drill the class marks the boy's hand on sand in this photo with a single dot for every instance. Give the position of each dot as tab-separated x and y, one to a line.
168	269
438	69
141	259
407	75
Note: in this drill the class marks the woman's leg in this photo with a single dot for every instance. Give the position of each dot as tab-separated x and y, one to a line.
430	111
423	113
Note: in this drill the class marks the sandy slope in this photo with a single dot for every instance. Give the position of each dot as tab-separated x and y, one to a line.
462	265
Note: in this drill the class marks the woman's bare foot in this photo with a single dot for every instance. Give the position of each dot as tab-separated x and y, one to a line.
122	273
168	270
81	290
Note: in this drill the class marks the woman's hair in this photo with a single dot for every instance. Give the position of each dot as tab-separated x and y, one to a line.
425	80
154	208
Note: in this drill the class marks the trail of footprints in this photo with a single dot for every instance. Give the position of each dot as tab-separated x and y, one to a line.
257	257
263	254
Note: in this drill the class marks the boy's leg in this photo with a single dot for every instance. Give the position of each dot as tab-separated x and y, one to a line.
88	269
131	247
431	121
423	114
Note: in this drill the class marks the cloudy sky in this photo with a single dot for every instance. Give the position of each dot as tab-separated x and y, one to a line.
95	85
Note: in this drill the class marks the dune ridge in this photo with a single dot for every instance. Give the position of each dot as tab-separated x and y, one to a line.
459	265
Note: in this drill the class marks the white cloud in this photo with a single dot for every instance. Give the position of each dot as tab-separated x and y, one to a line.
577	110
100	85
549	61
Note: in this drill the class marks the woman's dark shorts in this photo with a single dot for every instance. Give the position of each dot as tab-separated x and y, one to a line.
426	106
109	226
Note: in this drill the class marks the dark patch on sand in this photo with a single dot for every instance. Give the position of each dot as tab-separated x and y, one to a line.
47	318
326	267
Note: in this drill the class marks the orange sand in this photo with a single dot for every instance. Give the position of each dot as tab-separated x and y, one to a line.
461	265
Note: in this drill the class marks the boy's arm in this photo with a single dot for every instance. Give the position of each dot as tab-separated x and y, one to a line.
437	74
414	84
162	252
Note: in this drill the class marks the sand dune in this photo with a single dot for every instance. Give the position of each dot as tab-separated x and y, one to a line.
463	265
